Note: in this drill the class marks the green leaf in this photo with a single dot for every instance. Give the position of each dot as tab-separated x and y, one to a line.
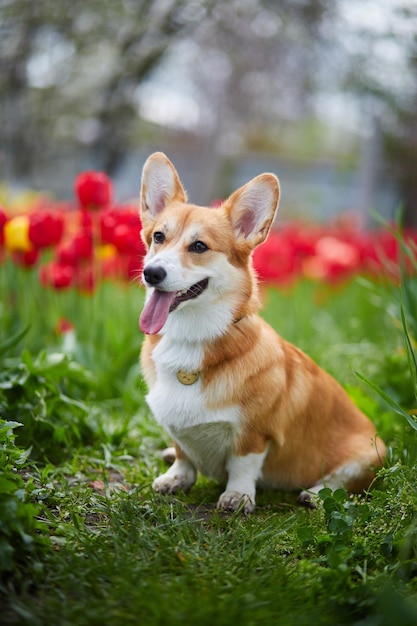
7	485
340	495
6	345
10	378
305	534
74	403
6	555
325	493
9	425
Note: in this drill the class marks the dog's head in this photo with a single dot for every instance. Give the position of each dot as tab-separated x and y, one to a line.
198	259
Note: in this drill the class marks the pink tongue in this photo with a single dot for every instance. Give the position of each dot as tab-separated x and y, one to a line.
156	311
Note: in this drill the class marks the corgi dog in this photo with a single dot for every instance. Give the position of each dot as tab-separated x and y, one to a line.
241	404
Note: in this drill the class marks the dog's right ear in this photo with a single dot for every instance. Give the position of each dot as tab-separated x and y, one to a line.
160	185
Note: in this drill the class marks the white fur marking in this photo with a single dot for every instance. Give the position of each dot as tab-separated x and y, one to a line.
181	475
244	471
177	406
339	479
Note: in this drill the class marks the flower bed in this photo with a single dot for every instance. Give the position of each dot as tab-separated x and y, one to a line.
76	244
334	252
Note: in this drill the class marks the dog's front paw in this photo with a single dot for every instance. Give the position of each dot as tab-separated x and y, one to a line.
180	477
233	500
169	484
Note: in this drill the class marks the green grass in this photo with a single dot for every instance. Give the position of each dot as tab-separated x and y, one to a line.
102	548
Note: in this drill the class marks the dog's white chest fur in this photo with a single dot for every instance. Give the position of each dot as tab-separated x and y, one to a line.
206	435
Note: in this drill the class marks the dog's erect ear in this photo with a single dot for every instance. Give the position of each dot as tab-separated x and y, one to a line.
252	208
160	185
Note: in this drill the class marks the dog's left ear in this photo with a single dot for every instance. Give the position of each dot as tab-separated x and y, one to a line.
160	185
253	207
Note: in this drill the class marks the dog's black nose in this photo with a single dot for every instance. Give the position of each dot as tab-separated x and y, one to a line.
154	275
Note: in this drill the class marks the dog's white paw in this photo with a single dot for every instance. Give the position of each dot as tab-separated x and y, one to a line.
180	477
233	500
169	484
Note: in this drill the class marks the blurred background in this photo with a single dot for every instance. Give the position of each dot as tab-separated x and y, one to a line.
322	92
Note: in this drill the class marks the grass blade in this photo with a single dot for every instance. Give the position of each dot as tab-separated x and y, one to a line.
408	248
389	401
411	355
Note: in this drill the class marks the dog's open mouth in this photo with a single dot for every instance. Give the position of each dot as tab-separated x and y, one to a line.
162	303
188	294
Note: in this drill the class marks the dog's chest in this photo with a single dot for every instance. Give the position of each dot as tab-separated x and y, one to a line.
176	405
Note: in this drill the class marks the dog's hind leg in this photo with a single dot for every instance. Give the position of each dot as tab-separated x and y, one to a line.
355	476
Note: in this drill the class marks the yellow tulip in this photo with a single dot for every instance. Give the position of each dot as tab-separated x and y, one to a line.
16	234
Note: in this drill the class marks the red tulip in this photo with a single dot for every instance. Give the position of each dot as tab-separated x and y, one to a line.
334	260
45	228
63	326
94	190
108	222
128	215
83	245
56	275
85	220
127	240
274	260
67	255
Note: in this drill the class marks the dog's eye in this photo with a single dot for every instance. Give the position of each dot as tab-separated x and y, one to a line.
198	246
159	237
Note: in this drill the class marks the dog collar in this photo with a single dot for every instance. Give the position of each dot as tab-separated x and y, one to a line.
187	378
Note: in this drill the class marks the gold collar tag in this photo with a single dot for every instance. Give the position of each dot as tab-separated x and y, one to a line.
187	378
